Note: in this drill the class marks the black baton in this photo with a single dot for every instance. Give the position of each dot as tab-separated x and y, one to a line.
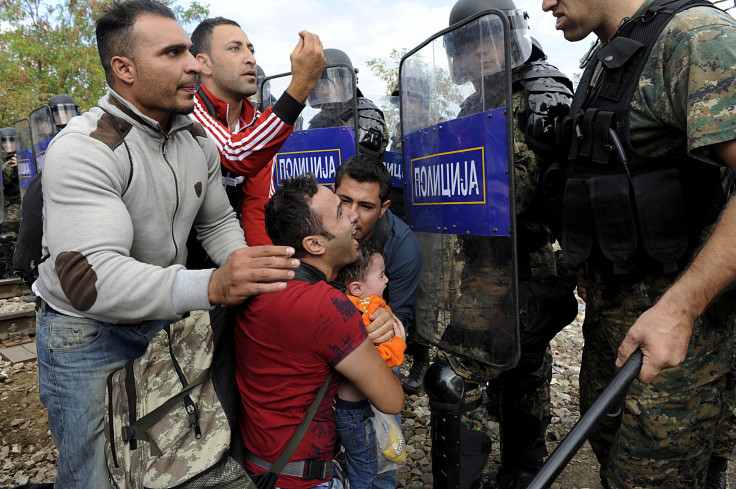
579	433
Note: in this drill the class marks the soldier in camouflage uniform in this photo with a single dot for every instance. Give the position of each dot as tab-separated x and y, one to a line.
11	196
518	398
670	124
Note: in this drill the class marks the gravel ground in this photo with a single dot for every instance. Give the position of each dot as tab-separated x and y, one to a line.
27	453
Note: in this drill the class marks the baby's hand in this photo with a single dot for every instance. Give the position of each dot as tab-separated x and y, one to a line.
399	329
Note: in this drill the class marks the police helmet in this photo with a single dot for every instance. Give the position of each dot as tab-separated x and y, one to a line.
7	140
465	40
538	53
63	108
335	85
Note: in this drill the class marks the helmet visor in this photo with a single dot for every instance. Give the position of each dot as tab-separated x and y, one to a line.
63	113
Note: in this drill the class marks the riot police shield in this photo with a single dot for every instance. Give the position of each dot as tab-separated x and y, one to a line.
458	160
324	135
43	131
26	158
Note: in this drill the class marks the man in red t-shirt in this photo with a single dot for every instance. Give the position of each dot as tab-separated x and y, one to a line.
246	138
287	342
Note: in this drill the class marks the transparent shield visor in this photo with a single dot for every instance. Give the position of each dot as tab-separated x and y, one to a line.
334	87
459	190
63	113
42	123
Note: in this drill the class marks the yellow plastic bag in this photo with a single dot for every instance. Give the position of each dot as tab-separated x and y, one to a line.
390	440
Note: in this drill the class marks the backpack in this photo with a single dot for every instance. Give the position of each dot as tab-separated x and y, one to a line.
170	414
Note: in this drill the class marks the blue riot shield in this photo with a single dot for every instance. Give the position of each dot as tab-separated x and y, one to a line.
324	135
457	139
26	159
43	131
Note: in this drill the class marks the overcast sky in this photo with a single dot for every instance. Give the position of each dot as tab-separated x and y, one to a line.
369	29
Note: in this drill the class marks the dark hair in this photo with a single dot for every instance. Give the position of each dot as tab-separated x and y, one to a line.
289	219
202	35
355	272
114	30
366	168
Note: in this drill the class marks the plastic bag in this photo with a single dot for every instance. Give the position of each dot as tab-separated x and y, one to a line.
389	440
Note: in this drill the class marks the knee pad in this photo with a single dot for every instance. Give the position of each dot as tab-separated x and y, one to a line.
459	455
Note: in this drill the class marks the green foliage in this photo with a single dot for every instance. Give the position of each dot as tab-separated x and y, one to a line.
48	48
388	71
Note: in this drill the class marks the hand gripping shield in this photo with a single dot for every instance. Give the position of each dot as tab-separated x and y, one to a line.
458	160
324	135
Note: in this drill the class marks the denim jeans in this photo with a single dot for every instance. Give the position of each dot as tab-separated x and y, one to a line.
358	437
75	357
388	480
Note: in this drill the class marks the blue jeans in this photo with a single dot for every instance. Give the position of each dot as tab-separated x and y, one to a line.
75	357
388	480
358	437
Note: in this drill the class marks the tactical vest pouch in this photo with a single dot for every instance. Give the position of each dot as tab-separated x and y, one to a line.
614	57
661	209
610	199
578	225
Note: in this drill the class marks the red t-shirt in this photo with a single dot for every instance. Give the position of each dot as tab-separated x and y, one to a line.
286	342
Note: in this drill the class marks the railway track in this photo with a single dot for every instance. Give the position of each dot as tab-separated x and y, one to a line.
24	321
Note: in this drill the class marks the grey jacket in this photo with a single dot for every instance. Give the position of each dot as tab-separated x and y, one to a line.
115	228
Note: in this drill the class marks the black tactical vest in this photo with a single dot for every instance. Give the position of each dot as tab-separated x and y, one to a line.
637	212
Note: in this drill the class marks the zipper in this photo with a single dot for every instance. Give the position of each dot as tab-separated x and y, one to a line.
176	186
189	406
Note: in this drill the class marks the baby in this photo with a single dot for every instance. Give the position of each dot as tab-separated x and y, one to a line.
365	281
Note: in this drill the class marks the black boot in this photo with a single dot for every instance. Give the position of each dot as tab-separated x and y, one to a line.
413	383
716	478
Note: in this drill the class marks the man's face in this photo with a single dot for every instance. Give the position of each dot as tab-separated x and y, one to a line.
375	277
338	220
164	71
230	70
576	18
363	198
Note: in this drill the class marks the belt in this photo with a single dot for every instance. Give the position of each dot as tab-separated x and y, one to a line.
304	469
43	307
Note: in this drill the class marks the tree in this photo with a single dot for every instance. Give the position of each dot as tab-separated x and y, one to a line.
388	71
444	96
49	48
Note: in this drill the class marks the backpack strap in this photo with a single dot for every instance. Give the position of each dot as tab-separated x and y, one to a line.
380	233
125	143
139	429
317	470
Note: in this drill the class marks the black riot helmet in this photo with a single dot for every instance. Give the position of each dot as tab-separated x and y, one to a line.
63	108
335	85
7	140
457	42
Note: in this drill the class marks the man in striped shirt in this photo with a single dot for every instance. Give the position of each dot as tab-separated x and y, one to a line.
246	138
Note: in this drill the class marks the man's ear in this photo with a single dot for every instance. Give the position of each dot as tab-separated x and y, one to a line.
384	207
313	245
123	69
356	288
206	63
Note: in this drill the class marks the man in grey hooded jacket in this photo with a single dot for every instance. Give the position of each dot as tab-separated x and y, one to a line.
123	185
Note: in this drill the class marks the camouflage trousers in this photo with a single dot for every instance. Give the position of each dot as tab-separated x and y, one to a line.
524	407
8	238
666	432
